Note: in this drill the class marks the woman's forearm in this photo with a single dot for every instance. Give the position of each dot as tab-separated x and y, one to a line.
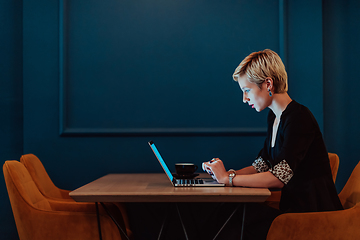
264	179
246	170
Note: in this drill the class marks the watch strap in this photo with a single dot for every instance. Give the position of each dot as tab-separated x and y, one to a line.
232	174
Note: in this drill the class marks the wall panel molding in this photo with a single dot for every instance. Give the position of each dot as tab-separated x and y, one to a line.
66	130
108	132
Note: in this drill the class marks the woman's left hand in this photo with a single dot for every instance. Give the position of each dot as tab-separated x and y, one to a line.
216	169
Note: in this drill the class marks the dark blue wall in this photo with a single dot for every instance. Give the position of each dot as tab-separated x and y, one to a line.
85	84
11	124
341	25
101	87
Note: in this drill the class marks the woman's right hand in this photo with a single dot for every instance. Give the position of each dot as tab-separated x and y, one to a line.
215	168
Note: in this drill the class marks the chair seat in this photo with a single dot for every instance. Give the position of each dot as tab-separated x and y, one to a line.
37	217
333	225
58	195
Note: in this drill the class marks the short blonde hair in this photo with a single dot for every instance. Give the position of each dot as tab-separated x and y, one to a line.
263	64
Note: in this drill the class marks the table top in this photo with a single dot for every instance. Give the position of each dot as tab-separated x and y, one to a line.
156	187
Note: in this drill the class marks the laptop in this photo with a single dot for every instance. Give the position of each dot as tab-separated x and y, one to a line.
197	182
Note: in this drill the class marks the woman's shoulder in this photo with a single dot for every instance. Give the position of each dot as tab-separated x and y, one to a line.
295	108
298	113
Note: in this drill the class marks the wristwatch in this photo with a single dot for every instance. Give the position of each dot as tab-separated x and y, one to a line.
232	174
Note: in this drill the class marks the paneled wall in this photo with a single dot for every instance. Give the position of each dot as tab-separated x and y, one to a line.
101	78
341	95
11	125
106	77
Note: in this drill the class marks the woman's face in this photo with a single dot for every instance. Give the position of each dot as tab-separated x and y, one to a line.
256	97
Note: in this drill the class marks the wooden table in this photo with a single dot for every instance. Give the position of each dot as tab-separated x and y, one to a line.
156	187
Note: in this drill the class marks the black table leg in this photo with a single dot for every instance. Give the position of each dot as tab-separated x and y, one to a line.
228	221
162	226
114	220
182	224
165	218
184	229
243	221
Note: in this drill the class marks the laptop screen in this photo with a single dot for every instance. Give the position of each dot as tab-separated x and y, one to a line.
161	160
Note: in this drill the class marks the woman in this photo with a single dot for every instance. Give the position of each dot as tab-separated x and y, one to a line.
294	157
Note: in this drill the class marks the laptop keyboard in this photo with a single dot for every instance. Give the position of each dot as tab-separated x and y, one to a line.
189	182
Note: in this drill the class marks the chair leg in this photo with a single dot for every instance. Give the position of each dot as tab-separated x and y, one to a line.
98	220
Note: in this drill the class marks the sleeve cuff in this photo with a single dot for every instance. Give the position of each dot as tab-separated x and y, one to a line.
260	165
282	171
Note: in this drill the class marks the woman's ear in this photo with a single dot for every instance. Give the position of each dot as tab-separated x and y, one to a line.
269	83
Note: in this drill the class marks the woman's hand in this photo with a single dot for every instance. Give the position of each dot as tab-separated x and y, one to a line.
216	169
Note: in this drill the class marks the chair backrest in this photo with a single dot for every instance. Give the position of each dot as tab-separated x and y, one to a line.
350	194
334	164
24	197
21	187
40	176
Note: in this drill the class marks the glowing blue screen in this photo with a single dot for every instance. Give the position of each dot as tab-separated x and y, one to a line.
163	164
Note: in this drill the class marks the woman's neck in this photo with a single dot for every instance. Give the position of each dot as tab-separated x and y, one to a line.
279	103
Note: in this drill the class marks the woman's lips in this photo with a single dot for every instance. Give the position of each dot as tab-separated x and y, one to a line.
252	105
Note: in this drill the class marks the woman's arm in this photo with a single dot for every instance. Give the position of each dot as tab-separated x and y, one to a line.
246	177
207	166
264	179
246	171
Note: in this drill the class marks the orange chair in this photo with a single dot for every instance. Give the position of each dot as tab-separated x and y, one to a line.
42	179
38	217
333	225
334	164
50	191
274	199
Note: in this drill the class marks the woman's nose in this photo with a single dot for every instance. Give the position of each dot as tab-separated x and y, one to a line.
245	98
